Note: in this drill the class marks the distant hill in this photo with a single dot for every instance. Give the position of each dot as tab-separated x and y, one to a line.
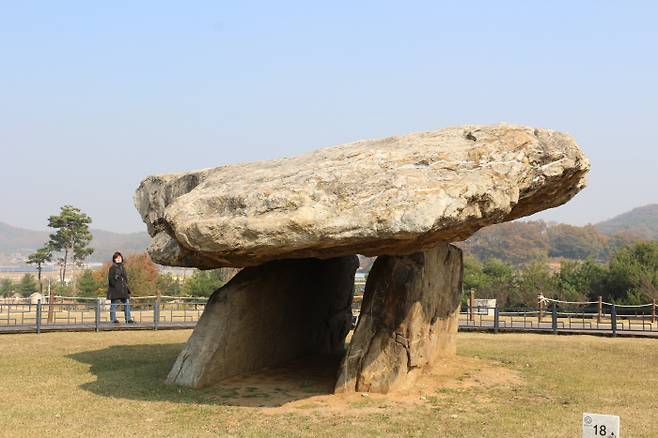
14	239
641	221
106	242
521	241
516	242
16	243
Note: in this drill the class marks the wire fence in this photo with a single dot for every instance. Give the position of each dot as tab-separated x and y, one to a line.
554	316
564	317
94	315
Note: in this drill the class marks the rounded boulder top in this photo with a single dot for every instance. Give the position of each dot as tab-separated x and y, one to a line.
388	196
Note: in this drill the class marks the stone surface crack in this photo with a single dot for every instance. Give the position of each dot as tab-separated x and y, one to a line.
402	340
181	367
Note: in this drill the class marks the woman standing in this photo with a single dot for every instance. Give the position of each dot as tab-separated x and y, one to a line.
118	291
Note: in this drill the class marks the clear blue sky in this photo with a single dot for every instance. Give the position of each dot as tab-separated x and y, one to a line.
95	97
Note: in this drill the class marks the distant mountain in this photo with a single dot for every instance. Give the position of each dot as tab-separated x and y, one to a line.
16	243
641	222
515	241
14	239
106	242
521	241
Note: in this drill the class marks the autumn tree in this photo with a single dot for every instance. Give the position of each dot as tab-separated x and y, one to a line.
520	242
573	242
141	271
515	242
621	240
142	274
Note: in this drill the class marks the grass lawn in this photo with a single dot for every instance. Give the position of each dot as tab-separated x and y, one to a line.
506	385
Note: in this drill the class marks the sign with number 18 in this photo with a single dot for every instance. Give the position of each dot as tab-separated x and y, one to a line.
600	426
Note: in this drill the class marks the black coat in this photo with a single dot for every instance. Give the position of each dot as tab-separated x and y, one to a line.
117	282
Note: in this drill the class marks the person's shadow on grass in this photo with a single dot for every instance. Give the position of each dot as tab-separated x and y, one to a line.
137	372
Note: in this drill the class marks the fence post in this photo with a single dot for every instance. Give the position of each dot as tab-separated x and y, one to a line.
600	310
541	310
496	318
97	316
51	304
156	314
653	311
38	317
471	305
554	318
613	316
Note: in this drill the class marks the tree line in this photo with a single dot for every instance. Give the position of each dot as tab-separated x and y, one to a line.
146	279
144	276
629	277
69	244
509	262
520	242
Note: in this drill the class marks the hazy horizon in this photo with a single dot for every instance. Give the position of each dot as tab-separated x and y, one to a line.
534	217
97	97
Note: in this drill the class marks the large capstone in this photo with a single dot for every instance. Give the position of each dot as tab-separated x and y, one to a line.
391	196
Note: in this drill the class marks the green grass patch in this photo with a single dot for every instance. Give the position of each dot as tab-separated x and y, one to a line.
111	384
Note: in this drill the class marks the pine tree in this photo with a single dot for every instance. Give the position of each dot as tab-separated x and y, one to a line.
40	256
6	287
87	284
72	236
27	285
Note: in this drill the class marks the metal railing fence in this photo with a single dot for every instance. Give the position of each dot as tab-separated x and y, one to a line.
552	317
563	318
95	315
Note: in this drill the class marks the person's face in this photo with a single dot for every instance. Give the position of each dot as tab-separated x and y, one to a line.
118	259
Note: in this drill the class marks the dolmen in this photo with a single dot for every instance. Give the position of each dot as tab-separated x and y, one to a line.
296	224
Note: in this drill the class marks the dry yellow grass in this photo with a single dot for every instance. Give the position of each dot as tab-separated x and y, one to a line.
52	275
508	385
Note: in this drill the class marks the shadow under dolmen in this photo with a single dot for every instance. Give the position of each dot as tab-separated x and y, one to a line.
138	372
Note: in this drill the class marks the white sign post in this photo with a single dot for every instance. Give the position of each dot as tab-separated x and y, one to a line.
600	426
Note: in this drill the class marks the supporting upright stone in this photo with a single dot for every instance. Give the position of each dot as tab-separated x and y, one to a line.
408	319
267	315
